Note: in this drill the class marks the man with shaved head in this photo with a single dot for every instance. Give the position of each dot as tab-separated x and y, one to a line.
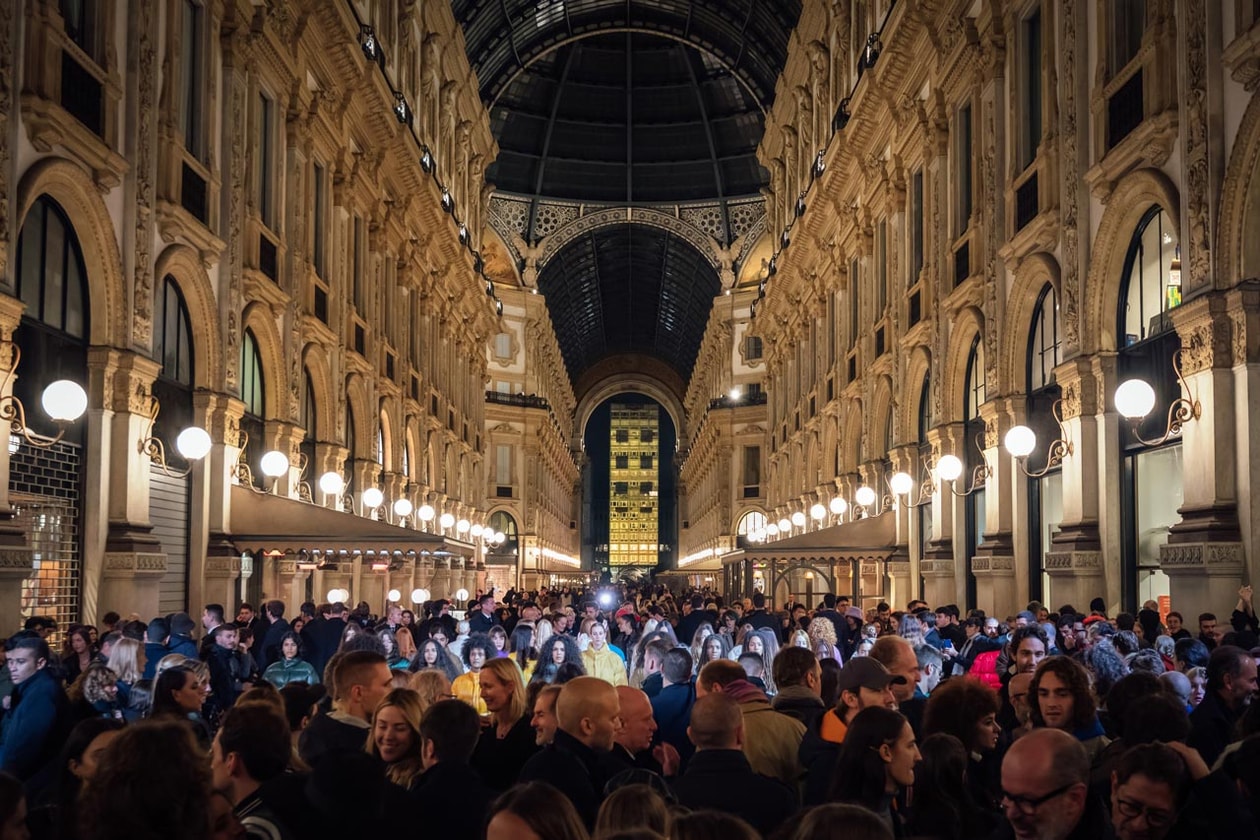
719	775
1045	789
588	715
634	739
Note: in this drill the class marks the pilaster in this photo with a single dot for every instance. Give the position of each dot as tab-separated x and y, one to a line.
993	565
210	496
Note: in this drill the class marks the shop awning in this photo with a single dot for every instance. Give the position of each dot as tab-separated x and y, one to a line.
266	523
872	538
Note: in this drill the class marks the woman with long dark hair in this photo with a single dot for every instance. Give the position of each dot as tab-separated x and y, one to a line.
538	809
177	695
559	650
943	804
290	667
431	654
876	762
57	818
967	709
78	653
521	649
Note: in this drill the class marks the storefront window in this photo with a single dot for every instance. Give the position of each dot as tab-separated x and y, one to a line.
1157	492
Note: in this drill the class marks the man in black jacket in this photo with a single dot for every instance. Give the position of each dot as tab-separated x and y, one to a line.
267	650
483	618
830	613
37	720
719	775
1231	686
798	677
361	679
576	761
322	637
758	618
229	668
690	623
251	747
450	793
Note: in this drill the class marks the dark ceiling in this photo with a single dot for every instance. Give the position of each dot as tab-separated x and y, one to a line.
629	289
627	102
625	118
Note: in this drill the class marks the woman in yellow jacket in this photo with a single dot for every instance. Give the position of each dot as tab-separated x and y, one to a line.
467	686
600	660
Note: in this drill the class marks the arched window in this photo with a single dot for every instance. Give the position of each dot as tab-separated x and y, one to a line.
1044	350
974	386
352	437
925	408
252	392
752	522
172	341
380	443
307	417
406	454
503	521
1152	278
50	276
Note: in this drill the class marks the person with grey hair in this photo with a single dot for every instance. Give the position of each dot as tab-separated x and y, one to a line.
1045	786
931	669
1146	659
1178	684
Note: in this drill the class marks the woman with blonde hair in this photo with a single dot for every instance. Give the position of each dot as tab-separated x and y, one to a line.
600	660
635	805
126	660
430	686
508	742
406	643
822	639
395	736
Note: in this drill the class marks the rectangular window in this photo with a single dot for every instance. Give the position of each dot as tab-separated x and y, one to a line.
191	78
964	168
645	488
621	488
645	462
752	348
916	226
1128	22
622	435
1030	82
319	220
623	462
79	18
752	466
502	464
881	269
266	132
646	436
357	257
503	346
854	309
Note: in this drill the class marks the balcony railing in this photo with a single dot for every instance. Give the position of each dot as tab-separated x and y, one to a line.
518	400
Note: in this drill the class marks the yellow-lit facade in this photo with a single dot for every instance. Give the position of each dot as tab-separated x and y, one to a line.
633	463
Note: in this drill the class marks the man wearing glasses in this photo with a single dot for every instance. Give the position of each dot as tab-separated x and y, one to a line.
1045	789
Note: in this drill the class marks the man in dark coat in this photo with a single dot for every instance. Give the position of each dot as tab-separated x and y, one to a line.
37	720
575	762
829	612
268	648
361	679
1231	686
690	623
322	637
450	793
229	667
483	618
758	618
671	707
155	636
719	775
180	641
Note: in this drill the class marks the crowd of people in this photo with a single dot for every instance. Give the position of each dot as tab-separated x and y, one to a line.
622	712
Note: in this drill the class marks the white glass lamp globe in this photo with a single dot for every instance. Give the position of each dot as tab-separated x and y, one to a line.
949	468
64	401
338	595
735	394
798	519
426	513
499	538
785	524
419	596
274	463
331	483
447	520
838	505
403	507
1020	441
461	594
1135	398
462	526
865	496
193	443
372	498
476	530
393	595
817	511
772	529
901	483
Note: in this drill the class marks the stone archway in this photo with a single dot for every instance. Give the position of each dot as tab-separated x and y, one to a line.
629	383
184	266
1238	246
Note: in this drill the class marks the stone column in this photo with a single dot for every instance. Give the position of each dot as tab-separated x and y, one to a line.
906	580
941	579
291	586
1204	553
222	581
1073	559
129	571
16	558
997	590
210	494
286	438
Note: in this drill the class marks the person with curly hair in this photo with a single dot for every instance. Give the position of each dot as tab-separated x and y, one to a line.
968	710
431	654
395	737
822	639
944	804
1106	664
95	693
716	646
78	653
477	651
1060	697
127	800
560	650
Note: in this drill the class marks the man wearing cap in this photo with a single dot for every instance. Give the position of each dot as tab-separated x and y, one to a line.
862	682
